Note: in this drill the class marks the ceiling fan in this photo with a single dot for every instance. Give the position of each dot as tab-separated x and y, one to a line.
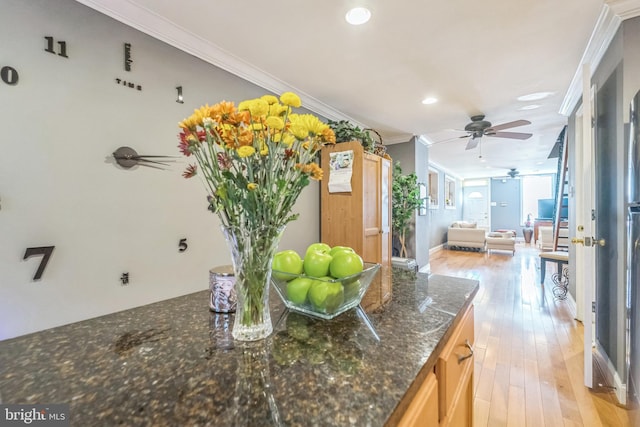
513	172
479	127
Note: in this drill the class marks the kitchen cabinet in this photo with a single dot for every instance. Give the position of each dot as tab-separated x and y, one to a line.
361	217
423	409
445	398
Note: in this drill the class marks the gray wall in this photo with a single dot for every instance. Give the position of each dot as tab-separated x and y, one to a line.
413	157
442	217
59	185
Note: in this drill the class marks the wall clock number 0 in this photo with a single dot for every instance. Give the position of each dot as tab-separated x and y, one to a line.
46	252
182	245
9	75
62	47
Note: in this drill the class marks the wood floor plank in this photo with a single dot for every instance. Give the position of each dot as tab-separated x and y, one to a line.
529	348
515	412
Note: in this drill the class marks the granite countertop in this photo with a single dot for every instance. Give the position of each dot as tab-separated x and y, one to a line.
174	363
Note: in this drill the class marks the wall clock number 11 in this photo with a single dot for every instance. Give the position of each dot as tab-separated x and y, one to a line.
62	47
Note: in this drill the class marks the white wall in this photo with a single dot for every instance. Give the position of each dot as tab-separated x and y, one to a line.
59	184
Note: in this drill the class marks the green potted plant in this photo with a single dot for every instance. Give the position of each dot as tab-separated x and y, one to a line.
405	199
346	131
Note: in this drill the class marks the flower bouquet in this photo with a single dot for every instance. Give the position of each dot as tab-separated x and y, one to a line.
254	159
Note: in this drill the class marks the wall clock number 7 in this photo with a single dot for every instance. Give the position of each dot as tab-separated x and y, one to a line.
46	252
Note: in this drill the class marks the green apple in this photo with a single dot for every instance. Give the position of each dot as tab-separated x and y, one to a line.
345	264
286	262
326	296
316	264
297	289
334	250
317	247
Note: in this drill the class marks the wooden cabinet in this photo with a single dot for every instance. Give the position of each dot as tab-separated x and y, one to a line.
360	218
445	398
423	409
454	370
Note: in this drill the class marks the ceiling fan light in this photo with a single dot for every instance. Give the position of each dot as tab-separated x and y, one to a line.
358	16
430	100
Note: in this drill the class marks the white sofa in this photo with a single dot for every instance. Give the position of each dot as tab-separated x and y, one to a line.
465	235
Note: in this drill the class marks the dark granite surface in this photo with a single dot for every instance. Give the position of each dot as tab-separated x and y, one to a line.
173	363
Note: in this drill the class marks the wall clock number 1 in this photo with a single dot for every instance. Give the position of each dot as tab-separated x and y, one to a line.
62	47
46	252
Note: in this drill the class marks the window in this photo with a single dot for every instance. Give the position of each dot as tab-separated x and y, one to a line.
534	188
433	189
449	192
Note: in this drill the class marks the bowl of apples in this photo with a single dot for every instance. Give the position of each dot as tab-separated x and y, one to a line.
324	283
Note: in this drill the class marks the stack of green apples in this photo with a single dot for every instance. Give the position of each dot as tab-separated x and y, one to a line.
315	279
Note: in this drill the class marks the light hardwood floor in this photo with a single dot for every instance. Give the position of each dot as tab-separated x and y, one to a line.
529	349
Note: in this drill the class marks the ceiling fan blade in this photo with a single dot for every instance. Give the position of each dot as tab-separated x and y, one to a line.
449	139
473	143
512	135
509	125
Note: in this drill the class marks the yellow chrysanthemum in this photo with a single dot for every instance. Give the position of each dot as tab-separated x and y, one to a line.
270	99
188	123
274	122
278	110
244	105
264	149
299	131
290	99
316	171
328	136
257	107
245	151
311	169
252	186
288	139
313	124
257	126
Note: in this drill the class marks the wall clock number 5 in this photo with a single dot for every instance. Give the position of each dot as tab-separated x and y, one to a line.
182	245
46	252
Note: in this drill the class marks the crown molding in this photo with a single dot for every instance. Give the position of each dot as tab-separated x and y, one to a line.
445	170
611	16
625	9
604	31
156	26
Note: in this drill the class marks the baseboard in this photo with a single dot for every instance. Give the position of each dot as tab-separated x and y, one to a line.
436	249
572	305
611	375
425	269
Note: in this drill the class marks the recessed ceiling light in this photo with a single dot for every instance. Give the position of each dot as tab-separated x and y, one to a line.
358	15
430	100
529	107
535	96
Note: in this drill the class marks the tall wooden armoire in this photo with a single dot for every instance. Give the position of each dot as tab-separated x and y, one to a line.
360	218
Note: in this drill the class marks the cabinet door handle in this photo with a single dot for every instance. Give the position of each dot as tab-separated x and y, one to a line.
463	358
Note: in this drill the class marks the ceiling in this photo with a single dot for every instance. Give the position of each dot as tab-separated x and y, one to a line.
476	57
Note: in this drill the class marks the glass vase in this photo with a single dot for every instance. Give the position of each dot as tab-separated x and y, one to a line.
252	251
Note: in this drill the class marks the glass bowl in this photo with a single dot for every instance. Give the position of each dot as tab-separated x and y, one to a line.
339	295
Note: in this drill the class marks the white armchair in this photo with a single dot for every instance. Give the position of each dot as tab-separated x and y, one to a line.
545	237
